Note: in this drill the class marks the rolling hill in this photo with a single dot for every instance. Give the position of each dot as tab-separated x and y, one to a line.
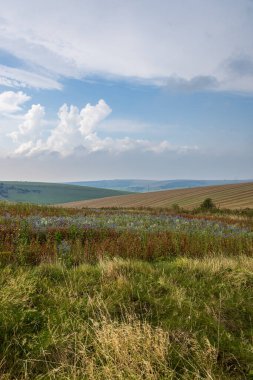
50	193
225	196
143	185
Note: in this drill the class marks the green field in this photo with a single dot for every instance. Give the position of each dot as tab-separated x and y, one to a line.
232	196
50	193
125	294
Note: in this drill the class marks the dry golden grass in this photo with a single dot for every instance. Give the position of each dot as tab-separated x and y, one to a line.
226	196
128	320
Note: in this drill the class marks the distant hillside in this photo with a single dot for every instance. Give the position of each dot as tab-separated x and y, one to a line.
143	186
49	193
225	196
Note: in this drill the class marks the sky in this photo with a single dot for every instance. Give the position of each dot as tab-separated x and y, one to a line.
105	89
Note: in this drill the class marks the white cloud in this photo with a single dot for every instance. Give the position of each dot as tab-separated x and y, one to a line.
74	128
11	102
76	133
90	116
31	125
148	40
13	77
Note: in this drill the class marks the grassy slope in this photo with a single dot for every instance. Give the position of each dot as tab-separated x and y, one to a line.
226	196
49	193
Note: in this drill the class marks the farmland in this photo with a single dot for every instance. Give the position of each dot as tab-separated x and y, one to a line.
232	196
125	294
48	193
143	186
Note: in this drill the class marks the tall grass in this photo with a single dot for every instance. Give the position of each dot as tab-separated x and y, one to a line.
126	319
91	302
33	234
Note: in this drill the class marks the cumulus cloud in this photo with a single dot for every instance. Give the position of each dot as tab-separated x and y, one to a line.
76	133
90	116
31	126
75	127
11	102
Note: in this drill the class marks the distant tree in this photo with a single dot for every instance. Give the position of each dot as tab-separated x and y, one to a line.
207	204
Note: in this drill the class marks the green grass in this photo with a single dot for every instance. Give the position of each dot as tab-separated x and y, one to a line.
126	319
113	294
51	193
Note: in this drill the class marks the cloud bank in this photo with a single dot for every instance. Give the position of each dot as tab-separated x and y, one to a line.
182	44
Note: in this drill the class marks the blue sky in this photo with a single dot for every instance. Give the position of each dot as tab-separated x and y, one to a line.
137	89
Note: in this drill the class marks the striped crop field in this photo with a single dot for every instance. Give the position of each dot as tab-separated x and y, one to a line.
232	196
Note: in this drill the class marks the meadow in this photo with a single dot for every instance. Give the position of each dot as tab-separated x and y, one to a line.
125	293
50	193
